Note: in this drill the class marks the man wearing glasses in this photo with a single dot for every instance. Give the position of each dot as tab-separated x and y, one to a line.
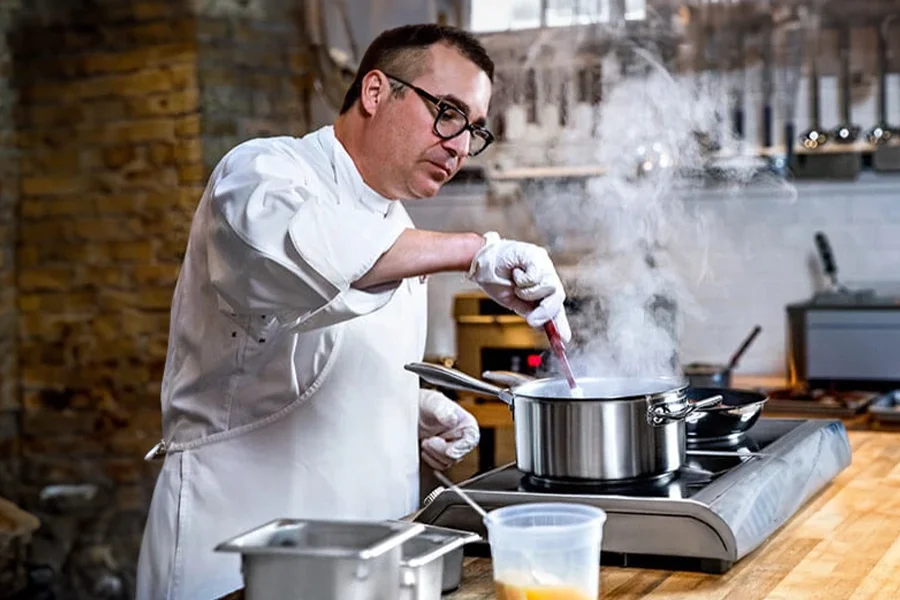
300	300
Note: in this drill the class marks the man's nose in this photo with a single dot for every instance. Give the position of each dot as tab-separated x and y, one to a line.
459	145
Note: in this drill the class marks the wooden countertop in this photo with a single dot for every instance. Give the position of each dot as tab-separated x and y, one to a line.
844	543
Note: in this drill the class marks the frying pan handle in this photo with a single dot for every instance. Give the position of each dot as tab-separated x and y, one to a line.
658	414
732	364
507	378
455	380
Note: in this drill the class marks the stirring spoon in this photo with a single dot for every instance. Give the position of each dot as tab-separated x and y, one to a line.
559	349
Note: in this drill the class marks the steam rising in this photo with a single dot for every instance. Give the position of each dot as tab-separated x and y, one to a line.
646	246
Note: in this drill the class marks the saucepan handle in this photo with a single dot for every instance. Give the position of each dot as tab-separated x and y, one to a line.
507	378
456	380
658	414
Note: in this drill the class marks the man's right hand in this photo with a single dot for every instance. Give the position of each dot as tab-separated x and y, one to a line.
521	277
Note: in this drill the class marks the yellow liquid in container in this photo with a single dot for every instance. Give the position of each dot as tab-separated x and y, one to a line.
506	591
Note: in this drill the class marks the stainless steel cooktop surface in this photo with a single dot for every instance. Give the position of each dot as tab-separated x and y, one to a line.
723	503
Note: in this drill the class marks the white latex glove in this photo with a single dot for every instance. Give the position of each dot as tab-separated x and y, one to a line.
447	431
521	277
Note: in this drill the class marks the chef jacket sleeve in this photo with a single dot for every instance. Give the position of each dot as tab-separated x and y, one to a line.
278	246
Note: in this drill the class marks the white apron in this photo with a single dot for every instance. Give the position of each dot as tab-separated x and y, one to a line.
347	447
295	466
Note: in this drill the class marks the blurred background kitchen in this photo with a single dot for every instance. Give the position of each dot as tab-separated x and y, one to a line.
677	158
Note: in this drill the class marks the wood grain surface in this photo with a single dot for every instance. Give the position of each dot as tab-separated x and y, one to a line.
843	544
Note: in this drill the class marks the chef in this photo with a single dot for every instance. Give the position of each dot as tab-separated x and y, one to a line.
302	296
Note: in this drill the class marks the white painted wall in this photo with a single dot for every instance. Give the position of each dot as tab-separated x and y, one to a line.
763	258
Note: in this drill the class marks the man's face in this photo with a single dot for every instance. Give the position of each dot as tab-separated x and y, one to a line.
417	161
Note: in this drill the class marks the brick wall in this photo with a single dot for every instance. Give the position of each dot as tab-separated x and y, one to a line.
125	106
12	574
9	401
110	169
252	72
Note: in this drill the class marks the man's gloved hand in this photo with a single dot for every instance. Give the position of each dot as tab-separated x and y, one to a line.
447	431
521	277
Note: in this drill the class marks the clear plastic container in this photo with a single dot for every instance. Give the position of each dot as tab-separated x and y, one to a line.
546	551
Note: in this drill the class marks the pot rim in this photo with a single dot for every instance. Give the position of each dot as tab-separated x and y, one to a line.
678	389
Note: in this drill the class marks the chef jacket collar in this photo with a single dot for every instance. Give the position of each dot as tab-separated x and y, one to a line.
348	177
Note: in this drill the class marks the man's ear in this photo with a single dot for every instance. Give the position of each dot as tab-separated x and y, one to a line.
374	91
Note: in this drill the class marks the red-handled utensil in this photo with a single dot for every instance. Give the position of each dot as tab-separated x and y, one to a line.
559	349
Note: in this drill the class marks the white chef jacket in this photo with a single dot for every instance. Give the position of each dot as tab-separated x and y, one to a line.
284	393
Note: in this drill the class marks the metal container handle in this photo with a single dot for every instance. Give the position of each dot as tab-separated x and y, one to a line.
658	414
457	380
449	545
275	538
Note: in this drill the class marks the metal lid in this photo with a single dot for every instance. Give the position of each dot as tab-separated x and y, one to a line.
336	539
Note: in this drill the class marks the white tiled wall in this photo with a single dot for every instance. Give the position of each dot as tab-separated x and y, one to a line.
762	258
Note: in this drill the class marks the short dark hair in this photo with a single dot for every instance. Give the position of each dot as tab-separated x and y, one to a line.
402	52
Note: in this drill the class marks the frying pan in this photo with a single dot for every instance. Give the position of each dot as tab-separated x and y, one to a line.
738	412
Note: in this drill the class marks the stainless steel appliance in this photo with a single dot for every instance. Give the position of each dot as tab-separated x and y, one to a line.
719	506
843	338
490	337
847	341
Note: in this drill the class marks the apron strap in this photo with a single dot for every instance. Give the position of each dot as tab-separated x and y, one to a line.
158	451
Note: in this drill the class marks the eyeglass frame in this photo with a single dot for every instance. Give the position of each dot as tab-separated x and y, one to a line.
442	107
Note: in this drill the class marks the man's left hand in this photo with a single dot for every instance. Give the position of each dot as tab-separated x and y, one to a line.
447	431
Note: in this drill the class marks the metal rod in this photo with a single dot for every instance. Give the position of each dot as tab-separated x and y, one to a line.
845	77
458	491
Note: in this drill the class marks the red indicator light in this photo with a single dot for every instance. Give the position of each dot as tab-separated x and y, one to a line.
533	360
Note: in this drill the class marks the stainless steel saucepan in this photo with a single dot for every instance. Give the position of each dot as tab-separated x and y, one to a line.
621	429
738	411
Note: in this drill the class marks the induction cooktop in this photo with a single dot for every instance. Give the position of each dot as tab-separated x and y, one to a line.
725	500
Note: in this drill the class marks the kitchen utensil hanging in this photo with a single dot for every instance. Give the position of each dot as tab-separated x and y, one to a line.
882	132
886	137
846	132
815	137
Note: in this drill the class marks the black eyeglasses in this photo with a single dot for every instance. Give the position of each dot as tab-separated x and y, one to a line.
450	121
